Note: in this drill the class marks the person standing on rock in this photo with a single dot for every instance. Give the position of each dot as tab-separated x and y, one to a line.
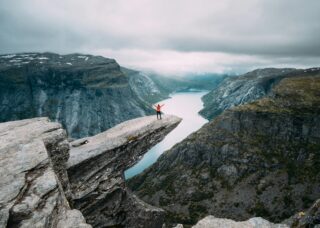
158	109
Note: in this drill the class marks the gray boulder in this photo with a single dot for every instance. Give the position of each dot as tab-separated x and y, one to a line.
213	222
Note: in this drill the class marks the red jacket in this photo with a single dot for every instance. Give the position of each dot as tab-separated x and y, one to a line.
159	108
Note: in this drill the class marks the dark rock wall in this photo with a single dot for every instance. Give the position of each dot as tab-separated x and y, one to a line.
87	95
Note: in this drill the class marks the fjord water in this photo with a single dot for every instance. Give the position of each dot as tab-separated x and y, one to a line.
185	105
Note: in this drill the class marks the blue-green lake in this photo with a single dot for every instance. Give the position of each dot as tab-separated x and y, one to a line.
185	105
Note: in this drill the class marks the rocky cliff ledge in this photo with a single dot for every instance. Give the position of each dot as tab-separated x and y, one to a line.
45	181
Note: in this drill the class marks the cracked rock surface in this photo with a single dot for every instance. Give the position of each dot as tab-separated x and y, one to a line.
96	171
31	192
45	181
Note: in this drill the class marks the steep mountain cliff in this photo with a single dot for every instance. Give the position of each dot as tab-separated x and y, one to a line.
258	159
235	91
87	94
145	87
47	182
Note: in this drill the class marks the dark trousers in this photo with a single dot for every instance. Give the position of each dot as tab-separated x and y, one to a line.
158	114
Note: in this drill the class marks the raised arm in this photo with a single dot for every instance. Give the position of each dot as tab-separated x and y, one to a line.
161	105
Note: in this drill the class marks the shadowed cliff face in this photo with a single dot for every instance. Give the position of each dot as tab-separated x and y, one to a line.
45	179
258	159
145	87
87	94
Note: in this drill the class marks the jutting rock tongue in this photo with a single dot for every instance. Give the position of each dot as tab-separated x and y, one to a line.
42	179
96	171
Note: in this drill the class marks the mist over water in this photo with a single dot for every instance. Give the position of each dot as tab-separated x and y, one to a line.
185	105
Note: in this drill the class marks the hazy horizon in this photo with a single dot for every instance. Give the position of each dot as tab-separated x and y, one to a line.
169	37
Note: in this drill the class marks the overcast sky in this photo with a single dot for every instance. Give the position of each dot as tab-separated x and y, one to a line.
169	36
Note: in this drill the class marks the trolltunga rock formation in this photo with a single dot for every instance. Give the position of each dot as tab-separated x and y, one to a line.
45	181
96	172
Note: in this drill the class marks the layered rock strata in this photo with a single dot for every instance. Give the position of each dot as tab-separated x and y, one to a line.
34	187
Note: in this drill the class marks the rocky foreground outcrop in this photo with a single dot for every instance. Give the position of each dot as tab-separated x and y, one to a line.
259	159
34	187
213	222
48	182
87	94
308	218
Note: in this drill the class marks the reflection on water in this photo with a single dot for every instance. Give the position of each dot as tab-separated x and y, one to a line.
185	105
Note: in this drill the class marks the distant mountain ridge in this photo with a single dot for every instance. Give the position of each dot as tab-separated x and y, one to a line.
242	89
153	87
87	94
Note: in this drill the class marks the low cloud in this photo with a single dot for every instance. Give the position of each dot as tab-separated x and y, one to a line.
169	36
